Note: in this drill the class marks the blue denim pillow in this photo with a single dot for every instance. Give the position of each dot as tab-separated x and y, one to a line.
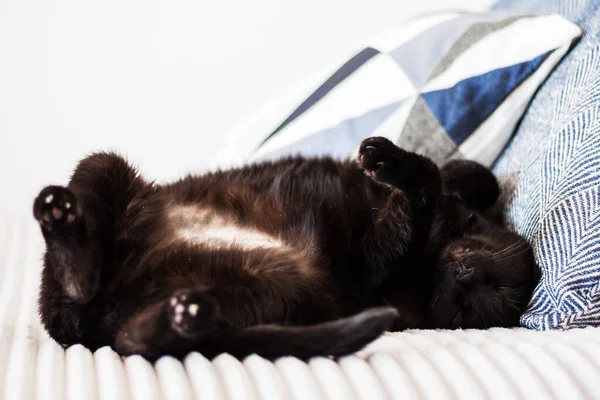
551	172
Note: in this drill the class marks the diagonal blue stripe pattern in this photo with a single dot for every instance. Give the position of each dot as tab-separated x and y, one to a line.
338	76
487	91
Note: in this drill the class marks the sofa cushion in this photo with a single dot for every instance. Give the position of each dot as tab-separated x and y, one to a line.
551	176
447	85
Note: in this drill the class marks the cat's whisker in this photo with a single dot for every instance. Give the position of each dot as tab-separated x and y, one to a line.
509	247
515	249
511	255
436	298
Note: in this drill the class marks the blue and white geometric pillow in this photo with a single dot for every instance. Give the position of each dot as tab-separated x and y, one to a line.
449	85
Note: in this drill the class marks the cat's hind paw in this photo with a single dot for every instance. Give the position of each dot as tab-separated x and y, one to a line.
55	209
193	314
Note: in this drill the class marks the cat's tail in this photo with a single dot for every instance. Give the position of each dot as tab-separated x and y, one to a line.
335	338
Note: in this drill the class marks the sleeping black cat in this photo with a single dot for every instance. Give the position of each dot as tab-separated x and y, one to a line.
297	257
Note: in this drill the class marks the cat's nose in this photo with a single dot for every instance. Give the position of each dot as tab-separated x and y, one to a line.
460	253
464	273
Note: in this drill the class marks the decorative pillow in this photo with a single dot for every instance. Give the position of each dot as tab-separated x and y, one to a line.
449	85
551	177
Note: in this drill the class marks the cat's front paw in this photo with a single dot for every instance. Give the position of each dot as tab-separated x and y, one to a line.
55	209
392	166
193	314
379	158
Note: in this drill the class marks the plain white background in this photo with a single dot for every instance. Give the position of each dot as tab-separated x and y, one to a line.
160	81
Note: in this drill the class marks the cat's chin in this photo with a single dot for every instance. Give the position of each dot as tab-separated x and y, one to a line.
480	307
451	322
445	309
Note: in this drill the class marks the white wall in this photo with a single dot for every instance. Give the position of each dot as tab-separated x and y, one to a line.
158	80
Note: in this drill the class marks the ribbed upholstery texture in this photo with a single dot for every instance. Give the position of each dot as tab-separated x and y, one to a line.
498	363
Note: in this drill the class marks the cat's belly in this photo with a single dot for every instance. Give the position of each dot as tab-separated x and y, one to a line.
203	226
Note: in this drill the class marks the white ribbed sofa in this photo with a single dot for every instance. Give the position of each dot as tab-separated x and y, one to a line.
497	363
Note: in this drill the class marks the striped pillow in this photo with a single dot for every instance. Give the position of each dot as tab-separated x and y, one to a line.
550	175
449	85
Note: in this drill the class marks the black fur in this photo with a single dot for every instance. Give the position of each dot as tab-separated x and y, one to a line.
354	238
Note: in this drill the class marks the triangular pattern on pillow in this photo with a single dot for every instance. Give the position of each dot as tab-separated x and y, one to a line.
342	73
438	40
489	67
338	141
436	143
453	107
472	35
444	42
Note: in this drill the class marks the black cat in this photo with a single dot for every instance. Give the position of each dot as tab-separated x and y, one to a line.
297	257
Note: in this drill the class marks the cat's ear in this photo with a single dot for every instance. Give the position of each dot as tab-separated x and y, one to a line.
471	182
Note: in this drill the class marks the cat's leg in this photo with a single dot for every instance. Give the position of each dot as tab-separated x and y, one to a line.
415	175
470	182
404	216
173	325
150	334
272	287
70	254
78	223
184	321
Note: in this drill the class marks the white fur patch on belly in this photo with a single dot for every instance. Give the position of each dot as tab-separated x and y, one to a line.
204	227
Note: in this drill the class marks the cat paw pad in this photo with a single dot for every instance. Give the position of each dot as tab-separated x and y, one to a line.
192	314
377	154
55	208
392	166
